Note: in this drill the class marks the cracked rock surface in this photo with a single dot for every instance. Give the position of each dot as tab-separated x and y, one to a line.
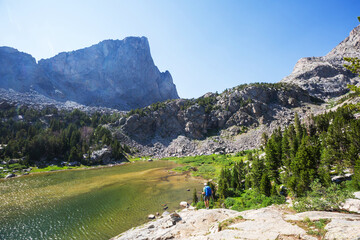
274	222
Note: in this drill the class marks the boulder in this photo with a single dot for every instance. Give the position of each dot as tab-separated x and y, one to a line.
103	155
342	229
351	205
341	178
357	195
175	217
73	164
151	216
11	175
166	213
14	160
184	204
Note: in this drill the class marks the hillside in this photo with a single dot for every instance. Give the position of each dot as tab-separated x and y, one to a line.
237	118
214	123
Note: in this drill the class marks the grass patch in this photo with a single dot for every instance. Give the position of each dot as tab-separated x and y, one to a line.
205	171
55	168
207	166
315	228
135	159
182	169
224	224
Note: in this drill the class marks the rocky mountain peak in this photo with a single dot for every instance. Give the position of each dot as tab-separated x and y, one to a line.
349	47
118	74
325	77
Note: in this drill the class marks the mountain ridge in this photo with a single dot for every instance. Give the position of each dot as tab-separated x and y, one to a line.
118	74
325	77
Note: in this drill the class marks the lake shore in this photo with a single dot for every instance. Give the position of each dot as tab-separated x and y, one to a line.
105	201
273	222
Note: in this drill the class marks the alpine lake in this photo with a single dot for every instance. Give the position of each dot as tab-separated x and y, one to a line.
96	203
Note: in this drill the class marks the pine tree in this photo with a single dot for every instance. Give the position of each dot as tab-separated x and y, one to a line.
271	160
195	197
298	128
75	155
237	176
223	184
285	146
265	185
293	141
264	138
304	167
356	176
257	171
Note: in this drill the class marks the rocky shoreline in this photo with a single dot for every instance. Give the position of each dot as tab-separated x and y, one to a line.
273	222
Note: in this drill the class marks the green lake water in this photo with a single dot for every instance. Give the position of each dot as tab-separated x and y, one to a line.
95	203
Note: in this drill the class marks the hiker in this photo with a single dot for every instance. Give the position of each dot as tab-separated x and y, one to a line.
207	195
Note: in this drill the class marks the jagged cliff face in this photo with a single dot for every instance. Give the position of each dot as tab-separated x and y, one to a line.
114	73
325	77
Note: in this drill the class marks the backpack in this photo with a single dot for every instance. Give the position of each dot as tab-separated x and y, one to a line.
207	191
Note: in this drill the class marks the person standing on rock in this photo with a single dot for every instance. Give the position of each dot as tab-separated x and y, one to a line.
207	195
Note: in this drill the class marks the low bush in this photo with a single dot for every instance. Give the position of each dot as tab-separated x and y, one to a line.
251	199
321	198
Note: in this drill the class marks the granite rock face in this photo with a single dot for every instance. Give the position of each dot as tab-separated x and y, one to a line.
19	71
118	74
214	123
273	222
325	77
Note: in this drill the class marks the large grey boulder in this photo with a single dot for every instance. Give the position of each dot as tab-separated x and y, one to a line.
103	155
357	195
326	77
11	175
351	205
342	229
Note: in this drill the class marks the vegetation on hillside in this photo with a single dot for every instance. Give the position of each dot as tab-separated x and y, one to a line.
30	137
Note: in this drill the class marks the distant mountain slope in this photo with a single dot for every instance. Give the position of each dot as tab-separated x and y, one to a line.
236	119
326	77
113	73
214	123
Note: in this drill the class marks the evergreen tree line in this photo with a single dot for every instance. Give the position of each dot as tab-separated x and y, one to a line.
321	147
52	136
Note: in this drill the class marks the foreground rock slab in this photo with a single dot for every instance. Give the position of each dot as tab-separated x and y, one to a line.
274	222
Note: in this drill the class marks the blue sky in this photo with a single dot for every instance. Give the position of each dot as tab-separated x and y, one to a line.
206	45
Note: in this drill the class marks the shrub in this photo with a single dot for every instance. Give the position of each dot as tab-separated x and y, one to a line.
229	202
251	199
200	205
321	198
